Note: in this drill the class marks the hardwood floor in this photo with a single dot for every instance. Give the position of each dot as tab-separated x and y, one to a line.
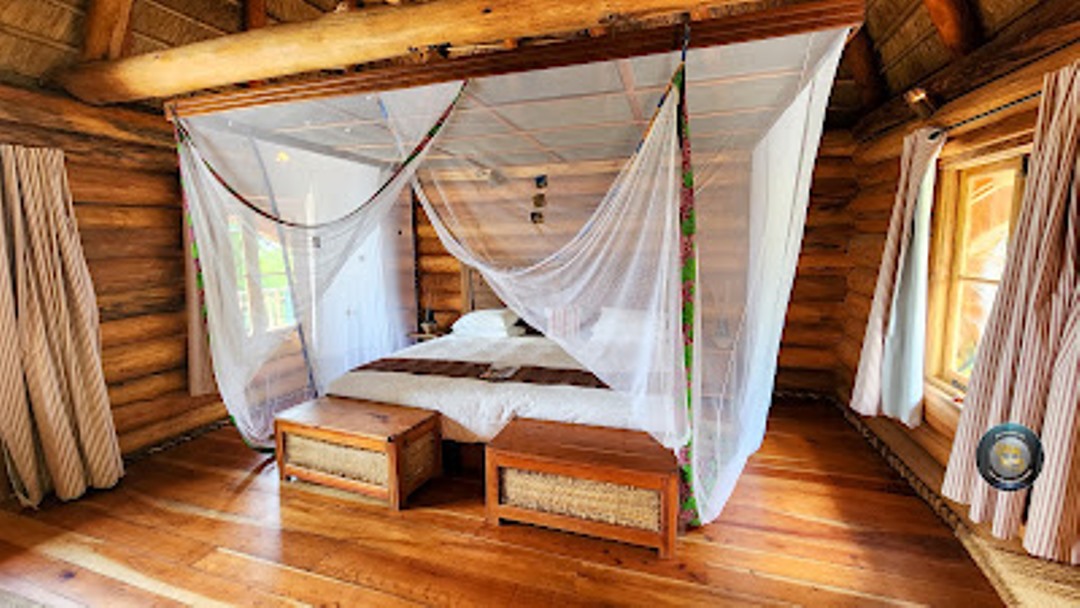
818	519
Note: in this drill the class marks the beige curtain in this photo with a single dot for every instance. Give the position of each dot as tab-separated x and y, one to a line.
200	366
1028	366
890	376
56	427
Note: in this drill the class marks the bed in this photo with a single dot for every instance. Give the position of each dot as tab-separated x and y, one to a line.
474	409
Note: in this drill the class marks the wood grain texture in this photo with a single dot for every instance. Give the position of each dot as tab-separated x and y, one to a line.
107	23
782	18
122	171
1050	25
817	519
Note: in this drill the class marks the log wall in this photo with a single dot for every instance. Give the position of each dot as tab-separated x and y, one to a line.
122	170
808	356
877	163
813	325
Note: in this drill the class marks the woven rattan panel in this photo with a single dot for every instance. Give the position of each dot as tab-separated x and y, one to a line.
335	459
582	498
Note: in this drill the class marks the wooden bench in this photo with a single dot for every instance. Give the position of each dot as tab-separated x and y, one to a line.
612	483
378	449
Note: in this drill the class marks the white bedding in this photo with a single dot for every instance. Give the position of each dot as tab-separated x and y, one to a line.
476	410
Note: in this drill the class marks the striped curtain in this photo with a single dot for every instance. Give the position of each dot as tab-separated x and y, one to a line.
890	376
56	428
1028	365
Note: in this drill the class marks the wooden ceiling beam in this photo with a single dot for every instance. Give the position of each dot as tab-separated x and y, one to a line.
866	70
1047	27
108	23
357	37
254	14
957	25
744	27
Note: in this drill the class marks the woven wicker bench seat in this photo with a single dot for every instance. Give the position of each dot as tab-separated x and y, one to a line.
610	483
378	449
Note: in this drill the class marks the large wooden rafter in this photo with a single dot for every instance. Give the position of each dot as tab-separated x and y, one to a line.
1044	29
360	37
779	21
107	29
957	25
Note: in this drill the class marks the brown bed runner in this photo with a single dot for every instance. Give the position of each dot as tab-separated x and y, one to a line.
528	374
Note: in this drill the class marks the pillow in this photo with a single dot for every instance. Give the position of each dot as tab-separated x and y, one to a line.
486	321
507	332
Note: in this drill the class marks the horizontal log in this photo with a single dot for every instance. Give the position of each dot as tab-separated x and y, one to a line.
107	243
873	223
848	351
111	217
142	301
835	188
138	359
811	313
444	300
91	150
103	184
1047	26
807	358
148	387
837	143
139	414
339	42
821	216
824	260
171	427
114	275
858	306
439	263
1008	88
1010	128
885	171
819	289
118	332
862	281
821	336
867	248
874	199
440	282
853	325
833	167
54	112
810	380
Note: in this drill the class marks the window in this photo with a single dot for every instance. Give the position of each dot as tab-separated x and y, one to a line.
975	216
261	280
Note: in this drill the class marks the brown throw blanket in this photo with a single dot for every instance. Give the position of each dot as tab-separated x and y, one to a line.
527	374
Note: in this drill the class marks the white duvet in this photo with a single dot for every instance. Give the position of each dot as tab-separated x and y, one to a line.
476	410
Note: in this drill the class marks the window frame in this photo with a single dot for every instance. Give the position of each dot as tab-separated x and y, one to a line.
948	239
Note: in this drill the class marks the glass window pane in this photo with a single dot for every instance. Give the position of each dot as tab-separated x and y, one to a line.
975	300
986	232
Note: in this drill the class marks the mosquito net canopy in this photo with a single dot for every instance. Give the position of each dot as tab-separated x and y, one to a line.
646	214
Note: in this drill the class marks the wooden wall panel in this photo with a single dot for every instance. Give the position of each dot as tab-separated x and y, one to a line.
877	162
808	357
122	172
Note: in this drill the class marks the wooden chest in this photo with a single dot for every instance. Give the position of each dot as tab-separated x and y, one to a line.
610	483
378	449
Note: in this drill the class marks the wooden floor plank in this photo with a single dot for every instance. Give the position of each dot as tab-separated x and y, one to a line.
817	519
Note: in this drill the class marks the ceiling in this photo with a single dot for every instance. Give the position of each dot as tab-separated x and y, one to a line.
39	37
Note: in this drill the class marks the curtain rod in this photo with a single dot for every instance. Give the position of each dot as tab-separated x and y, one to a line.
986	114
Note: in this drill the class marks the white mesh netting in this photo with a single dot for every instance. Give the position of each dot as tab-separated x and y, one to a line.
562	187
